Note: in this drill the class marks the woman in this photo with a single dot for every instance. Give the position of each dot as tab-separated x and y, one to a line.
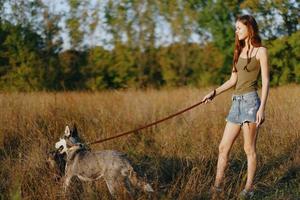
247	110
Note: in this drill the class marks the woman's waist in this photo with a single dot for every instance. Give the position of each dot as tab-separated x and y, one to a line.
246	95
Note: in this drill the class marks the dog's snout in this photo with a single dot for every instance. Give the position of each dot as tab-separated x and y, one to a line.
61	145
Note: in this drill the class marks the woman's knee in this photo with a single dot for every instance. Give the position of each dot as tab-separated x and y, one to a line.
223	149
250	150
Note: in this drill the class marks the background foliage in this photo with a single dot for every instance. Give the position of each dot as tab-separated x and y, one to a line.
95	45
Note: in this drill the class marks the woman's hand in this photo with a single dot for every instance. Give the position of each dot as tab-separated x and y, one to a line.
209	97
260	117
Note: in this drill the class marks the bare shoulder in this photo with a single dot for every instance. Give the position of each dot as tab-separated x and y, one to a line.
262	53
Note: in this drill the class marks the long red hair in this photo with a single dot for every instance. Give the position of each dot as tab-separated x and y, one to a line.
255	39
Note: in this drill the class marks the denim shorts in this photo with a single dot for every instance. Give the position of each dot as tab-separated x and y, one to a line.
244	108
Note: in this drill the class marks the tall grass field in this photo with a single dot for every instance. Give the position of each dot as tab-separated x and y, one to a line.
178	157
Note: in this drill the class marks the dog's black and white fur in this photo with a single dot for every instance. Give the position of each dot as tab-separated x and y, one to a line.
112	166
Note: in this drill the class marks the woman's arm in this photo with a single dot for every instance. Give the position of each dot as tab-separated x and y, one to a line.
262	55
228	84
263	58
225	86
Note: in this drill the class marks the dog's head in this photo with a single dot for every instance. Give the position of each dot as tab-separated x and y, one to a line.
69	139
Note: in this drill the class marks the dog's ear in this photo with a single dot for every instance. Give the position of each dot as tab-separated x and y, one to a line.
67	131
74	132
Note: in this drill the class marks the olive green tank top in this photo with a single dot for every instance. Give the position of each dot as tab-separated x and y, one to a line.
247	79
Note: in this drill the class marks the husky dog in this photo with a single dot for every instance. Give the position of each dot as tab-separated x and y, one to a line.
112	166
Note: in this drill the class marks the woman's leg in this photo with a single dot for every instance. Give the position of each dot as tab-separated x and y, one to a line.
230	134
250	134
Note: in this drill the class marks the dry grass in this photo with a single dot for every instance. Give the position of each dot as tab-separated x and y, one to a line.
178	156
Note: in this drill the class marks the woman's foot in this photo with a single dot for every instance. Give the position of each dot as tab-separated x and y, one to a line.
216	192
246	194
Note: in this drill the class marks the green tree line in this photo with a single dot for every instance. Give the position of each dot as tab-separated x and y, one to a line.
132	53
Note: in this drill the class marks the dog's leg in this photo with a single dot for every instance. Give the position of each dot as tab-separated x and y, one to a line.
111	187
66	183
128	186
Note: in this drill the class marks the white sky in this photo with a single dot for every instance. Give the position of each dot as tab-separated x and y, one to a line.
162	30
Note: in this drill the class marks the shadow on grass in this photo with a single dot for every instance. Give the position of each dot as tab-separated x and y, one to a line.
288	181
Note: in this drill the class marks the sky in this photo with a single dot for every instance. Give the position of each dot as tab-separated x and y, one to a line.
162	30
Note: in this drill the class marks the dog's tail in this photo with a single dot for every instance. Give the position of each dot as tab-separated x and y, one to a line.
138	182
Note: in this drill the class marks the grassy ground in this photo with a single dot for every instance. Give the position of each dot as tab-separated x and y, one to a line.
178	157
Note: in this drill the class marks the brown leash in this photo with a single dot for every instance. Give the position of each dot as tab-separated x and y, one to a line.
148	125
